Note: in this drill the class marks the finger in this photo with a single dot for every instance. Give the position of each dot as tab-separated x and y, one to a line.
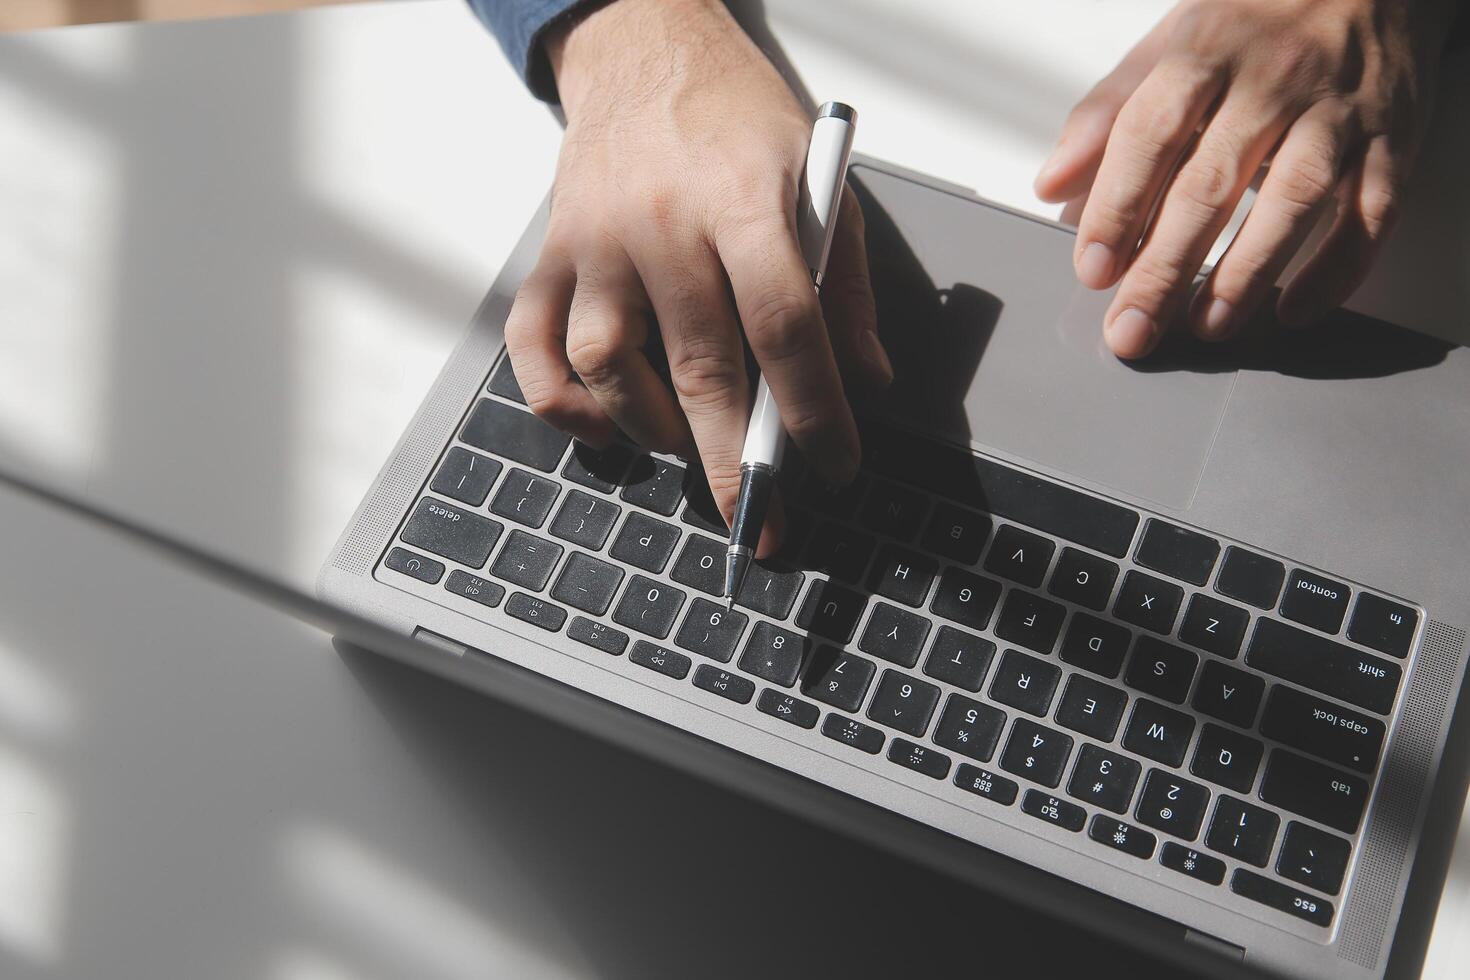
783	322
534	333
847	302
706	358
1368	209
1298	185
607	327
1195	209
1153	130
1072	165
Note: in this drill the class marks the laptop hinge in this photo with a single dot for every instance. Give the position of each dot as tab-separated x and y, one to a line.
442	643
1215	945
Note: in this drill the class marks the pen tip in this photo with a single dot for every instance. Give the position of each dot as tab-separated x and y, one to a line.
730	602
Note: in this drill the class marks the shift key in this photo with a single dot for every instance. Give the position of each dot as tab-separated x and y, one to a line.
1324	665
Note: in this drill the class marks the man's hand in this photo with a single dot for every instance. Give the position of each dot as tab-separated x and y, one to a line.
1335	91
675	196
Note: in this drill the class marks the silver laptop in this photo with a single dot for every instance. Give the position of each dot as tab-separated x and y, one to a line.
1167	649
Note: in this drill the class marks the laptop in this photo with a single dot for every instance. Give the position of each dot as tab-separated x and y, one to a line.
1169	649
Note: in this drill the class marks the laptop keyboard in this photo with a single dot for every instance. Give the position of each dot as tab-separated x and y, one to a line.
1205	707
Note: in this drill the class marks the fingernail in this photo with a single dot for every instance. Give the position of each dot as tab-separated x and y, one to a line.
1132	334
1095	266
1216	320
877	356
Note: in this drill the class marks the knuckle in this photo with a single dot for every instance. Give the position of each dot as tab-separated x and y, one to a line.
781	324
705	376
1209	181
1306	183
1153	125
1379	207
547	400
594	354
1153	279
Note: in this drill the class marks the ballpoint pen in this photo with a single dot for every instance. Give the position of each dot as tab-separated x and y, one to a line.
765	438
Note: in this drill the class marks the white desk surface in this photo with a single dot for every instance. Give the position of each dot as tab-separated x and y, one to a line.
234	254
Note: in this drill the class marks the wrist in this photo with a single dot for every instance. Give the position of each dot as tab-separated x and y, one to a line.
630	42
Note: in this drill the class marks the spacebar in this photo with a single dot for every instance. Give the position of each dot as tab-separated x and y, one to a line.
1000	490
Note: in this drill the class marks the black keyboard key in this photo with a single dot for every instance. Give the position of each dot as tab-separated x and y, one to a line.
839	551
956	533
597	635
655	484
1022	681
1148	602
1200	867
515	434
465	476
982	782
503	382
1020	555
769	590
1250	577
1316	601
701	564
451	532
1387	627
1315	791
1161	669
1084	579
712	523
1104	779
1092	708
537	612
600	469
1095	644
525	498
903	703
1330	731
1227	758
1283	898
733	687
1030	620
670	663
1054	810
587	583
838	678
585	520
831	610
774	654
1175	806
966	598
1157	732
1036	752
969	727
902	575
526	560
959	658
894	510
1122	836
840	504
1214	626
1313	858
1324	665
649	606
711	630
1242	831
647	543
792	710
1177	551
477	589
894	634
850	731
1000	490
933	764
415	566
1228	694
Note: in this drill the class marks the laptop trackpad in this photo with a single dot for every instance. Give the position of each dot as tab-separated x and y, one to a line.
994	344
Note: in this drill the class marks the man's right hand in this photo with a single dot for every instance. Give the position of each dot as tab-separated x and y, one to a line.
675	195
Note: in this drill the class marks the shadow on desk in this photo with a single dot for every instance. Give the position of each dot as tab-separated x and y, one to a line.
658	874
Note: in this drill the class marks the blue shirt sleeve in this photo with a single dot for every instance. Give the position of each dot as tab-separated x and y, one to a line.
518	25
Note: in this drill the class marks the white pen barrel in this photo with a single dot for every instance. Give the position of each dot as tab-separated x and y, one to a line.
826	168
766	436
